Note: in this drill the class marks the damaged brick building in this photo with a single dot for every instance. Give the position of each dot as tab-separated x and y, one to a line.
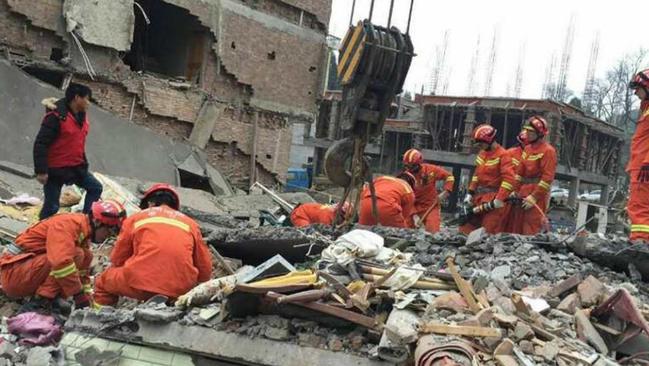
231	76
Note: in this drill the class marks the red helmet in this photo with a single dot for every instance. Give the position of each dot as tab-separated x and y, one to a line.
413	157
641	79
408	177
537	124
109	213
484	133
157	189
522	138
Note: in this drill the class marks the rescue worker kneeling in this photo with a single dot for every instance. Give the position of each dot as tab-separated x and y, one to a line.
160	251
395	202
315	213
50	260
493	181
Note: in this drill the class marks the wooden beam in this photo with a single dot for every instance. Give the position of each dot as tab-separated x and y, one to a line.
469	331
463	286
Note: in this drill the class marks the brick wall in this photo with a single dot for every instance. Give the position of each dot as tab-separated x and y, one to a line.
320	8
18	33
280	67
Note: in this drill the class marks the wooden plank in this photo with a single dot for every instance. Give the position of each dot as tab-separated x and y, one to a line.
520	305
463	286
468	331
418	285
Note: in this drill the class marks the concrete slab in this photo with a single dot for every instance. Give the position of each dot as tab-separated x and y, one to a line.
103	23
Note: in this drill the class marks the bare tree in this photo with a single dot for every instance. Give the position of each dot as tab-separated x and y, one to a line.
613	101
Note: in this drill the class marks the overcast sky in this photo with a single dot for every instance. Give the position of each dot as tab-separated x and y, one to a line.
539	25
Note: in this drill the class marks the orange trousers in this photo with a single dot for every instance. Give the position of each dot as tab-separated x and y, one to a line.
31	276
112	284
432	222
638	210
531	221
388	214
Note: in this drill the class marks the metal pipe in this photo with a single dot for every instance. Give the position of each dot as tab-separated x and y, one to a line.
412	2
390	15
351	17
371	10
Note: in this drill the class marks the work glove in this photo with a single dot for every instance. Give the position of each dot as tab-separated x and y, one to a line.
82	300
443	196
497	203
528	202
468	199
643	175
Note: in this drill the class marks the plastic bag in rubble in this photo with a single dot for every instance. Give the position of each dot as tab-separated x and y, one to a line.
23	199
354	244
404	277
115	192
35	329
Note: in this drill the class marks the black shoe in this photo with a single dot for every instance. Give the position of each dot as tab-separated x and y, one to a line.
36	304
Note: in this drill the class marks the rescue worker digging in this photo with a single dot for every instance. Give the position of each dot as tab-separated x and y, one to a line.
395	202
315	213
535	175
427	200
492	182
638	167
159	251
51	259
60	149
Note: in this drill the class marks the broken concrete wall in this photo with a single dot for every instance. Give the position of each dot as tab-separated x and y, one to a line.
21	34
102	23
320	8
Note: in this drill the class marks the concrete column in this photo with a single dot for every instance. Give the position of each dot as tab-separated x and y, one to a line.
573	192
603	199
469	125
333	121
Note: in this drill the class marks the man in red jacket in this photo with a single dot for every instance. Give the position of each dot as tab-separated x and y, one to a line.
51	259
638	167
60	150
159	251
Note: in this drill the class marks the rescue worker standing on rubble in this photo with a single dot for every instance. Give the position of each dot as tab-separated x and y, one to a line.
159	251
51	259
311	213
516	154
638	167
395	202
427	200
535	175
60	149
492	182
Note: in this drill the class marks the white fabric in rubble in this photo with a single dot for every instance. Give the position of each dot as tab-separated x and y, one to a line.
23	199
354	244
404	277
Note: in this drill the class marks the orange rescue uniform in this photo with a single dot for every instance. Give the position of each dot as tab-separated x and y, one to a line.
494	178
426	194
395	203
535	176
54	262
159	251
313	213
638	205
514	213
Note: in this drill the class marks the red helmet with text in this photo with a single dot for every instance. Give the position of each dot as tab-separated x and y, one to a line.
484	133
640	80
109	213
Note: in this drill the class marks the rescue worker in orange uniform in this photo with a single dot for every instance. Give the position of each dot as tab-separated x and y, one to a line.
492	182
315	213
395	202
427	200
638	167
159	251
535	175
50	260
516	153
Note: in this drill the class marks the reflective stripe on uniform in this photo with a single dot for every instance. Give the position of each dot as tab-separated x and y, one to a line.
534	157
507	186
474	179
162	220
479	161
450	178
492	162
403	183
545	185
516	162
640	228
87	288
65	271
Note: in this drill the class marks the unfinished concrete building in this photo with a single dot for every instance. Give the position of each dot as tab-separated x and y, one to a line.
230	76
589	149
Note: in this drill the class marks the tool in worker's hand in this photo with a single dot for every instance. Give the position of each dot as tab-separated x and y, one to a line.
422	219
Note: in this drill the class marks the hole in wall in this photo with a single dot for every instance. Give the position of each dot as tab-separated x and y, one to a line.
56	54
271	55
312	69
233	45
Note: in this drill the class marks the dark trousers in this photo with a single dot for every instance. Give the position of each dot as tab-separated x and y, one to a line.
81	178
